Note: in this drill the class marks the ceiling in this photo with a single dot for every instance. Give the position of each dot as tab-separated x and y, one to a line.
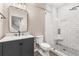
58	5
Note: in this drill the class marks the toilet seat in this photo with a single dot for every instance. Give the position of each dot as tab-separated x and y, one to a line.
45	46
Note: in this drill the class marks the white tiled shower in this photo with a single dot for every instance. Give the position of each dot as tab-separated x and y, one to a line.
68	21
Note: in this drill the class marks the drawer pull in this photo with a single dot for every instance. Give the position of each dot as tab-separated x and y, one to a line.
21	44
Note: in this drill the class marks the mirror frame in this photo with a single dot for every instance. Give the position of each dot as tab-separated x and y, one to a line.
9	17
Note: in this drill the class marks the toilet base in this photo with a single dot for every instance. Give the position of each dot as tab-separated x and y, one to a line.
46	53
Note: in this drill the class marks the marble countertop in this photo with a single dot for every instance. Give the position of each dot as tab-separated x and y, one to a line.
11	38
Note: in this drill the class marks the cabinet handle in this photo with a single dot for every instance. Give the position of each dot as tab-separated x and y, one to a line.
21	44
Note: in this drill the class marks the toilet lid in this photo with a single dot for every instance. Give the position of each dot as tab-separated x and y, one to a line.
45	45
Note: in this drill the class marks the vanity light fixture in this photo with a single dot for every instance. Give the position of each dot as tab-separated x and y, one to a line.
2	16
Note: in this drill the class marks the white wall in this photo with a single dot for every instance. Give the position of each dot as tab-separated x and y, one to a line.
36	17
1	28
1	22
69	26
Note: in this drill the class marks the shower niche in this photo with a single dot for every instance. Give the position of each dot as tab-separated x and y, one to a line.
17	19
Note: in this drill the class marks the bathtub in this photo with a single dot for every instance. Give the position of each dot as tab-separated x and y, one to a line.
66	51
58	52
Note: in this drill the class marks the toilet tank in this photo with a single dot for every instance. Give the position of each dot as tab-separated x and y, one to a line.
39	39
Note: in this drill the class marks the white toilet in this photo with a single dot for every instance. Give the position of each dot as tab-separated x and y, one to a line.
45	46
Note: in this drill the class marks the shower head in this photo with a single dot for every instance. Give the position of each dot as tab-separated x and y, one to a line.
74	8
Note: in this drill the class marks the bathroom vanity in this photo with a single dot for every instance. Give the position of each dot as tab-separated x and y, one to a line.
21	44
17	46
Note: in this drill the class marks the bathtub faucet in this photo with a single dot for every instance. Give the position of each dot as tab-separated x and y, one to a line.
57	41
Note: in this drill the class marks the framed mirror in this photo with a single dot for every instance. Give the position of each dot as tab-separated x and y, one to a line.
17	19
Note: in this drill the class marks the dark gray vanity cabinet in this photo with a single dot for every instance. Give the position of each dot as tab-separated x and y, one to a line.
11	48
0	49
23	47
28	47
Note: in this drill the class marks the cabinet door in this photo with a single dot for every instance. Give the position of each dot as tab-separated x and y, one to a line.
0	49
11	48
28	47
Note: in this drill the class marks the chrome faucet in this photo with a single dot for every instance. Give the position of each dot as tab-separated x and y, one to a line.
19	33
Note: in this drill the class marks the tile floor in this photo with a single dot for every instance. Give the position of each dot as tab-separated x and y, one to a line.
50	54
